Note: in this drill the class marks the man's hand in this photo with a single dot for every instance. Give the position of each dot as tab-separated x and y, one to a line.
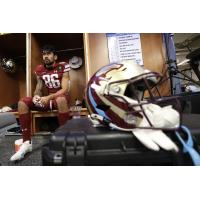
37	101
44	100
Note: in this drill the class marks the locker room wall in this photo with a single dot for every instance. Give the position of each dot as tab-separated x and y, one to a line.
152	49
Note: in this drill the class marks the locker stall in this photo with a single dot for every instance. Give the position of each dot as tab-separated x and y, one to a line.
67	46
13	85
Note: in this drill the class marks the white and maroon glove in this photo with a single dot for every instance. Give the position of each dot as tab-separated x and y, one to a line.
162	118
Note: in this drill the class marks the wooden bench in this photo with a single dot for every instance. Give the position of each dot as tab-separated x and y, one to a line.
40	114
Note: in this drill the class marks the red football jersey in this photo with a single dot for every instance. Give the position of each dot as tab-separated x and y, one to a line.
52	77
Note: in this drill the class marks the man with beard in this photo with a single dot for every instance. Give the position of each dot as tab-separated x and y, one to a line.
55	77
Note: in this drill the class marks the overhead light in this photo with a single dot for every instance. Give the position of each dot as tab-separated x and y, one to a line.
4	33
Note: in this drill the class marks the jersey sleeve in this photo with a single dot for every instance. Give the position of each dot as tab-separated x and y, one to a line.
38	70
66	66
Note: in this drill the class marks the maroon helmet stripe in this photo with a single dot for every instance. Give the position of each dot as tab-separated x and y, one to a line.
114	118
122	105
118	103
111	114
117	120
96	99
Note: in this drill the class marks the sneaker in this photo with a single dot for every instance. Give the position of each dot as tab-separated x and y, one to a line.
24	148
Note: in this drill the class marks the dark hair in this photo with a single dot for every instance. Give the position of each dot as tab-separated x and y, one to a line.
49	48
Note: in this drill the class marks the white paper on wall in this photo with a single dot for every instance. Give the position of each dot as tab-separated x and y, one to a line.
124	46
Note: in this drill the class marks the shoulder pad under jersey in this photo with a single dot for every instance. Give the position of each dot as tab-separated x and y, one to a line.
39	69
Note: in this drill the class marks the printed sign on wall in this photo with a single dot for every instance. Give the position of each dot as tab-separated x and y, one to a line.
124	46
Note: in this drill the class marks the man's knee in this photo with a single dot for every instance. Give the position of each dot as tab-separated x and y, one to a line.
22	107
61	102
24	104
26	100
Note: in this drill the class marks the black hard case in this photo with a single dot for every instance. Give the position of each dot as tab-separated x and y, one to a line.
79	143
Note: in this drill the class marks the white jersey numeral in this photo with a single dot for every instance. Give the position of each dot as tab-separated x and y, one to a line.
51	81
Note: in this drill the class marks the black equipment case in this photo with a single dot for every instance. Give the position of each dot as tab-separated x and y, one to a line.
79	143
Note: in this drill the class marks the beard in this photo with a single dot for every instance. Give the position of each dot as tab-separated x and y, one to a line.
48	64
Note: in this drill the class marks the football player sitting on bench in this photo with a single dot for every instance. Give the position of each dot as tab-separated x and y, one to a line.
55	77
